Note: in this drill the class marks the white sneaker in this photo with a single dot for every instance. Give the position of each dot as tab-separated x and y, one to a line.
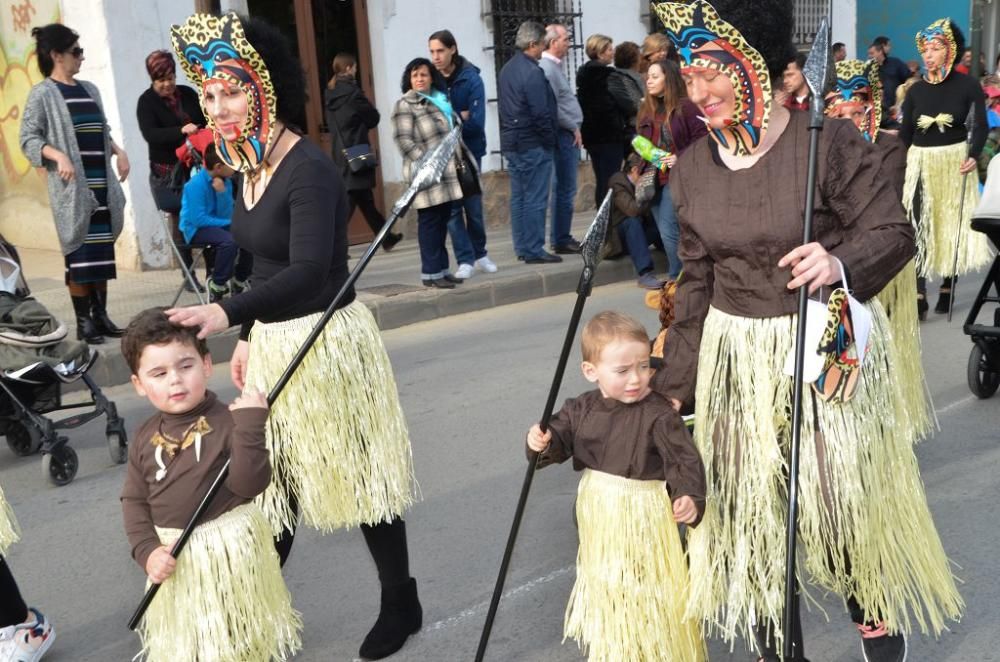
26	642
486	264
465	271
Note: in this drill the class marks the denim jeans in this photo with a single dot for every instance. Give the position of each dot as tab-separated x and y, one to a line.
468	235
530	172
230	259
633	235
432	230
606	160
566	162
670	233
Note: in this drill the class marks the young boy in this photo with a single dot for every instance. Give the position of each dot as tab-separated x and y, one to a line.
642	475
626	219
224	597
206	213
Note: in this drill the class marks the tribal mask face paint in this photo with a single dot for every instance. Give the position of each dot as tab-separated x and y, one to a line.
937	46
214	50
708	44
857	96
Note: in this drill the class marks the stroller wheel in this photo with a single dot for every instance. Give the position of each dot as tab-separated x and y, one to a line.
117	447
23	440
60	465
983	382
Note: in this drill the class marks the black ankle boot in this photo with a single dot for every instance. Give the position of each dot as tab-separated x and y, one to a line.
943	302
86	329
399	617
922	306
99	311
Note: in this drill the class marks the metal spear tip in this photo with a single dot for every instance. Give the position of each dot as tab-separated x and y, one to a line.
431	166
819	72
590	249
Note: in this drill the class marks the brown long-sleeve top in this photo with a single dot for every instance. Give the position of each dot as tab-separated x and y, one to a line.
146	502
737	224
644	440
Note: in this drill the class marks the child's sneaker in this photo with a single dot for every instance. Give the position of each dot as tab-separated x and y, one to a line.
877	645
238	286
26	642
216	293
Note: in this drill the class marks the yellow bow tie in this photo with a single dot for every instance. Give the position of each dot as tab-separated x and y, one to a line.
943	121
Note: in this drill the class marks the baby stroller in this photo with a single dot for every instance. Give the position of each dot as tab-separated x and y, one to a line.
36	359
984	360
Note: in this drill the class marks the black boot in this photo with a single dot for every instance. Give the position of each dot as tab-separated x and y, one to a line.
86	329
99	311
399	616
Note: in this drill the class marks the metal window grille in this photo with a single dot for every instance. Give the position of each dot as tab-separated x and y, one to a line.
808	14
507	15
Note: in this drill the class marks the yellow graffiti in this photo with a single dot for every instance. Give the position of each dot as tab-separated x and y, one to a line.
16	80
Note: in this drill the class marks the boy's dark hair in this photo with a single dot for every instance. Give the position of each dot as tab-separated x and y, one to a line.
633	160
799	59
626	54
437	80
212	157
282	64
837	46
152	327
52	37
880	41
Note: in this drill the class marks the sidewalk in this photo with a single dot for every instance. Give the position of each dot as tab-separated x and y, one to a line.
390	287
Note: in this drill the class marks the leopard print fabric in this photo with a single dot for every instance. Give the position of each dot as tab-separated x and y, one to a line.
940	31
706	41
215	49
858	86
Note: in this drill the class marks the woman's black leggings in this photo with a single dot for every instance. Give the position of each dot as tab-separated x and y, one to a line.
12	607
386	543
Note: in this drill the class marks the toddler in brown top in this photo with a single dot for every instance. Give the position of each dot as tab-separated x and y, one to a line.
642	475
229	569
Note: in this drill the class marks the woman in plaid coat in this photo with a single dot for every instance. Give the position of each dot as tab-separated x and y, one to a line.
421	119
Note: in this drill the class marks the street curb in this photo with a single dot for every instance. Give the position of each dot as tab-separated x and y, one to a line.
393	312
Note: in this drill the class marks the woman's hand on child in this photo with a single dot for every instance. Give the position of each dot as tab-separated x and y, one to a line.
685	511
238	364
538	441
248	400
210	318
160	565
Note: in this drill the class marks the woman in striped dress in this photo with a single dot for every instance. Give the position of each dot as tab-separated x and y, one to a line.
64	130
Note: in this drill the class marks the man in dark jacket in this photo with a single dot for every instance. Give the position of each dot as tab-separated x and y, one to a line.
527	139
893	72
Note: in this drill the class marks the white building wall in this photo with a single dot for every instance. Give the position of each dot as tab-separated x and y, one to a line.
844	26
117	35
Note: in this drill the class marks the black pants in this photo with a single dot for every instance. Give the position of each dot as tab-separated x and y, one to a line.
12	607
364	199
386	543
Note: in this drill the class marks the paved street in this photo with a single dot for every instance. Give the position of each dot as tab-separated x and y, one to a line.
471	385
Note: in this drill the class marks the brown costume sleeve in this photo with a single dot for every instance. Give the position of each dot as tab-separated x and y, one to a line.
561	426
249	460
878	239
136	513
682	465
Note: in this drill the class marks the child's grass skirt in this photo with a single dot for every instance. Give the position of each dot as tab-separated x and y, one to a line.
9	533
337	435
227	600
864	526
932	172
631	575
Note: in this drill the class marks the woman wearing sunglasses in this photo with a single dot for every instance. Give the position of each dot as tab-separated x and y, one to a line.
64	130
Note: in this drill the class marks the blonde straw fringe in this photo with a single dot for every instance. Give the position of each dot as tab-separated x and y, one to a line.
631	585
9	531
227	600
864	526
934	170
899	299
337	434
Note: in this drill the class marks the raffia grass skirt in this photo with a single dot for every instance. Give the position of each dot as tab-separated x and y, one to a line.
631	575
9	531
227	600
898	299
934	170
864	526
337	435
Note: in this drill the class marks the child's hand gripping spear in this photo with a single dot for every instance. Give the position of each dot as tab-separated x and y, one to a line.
427	173
591	252
818	73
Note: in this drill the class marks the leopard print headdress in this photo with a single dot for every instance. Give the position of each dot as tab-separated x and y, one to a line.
941	32
858	87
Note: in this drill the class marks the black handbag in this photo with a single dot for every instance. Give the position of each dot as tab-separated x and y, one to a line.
468	179
359	157
169	189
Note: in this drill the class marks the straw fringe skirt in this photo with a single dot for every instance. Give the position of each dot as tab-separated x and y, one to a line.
631	575
934	171
337	435
864	526
9	532
898	298
227	600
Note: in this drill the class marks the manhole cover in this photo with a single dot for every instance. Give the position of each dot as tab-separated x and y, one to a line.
391	289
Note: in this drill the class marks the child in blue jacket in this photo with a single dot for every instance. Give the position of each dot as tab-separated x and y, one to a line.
206	212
